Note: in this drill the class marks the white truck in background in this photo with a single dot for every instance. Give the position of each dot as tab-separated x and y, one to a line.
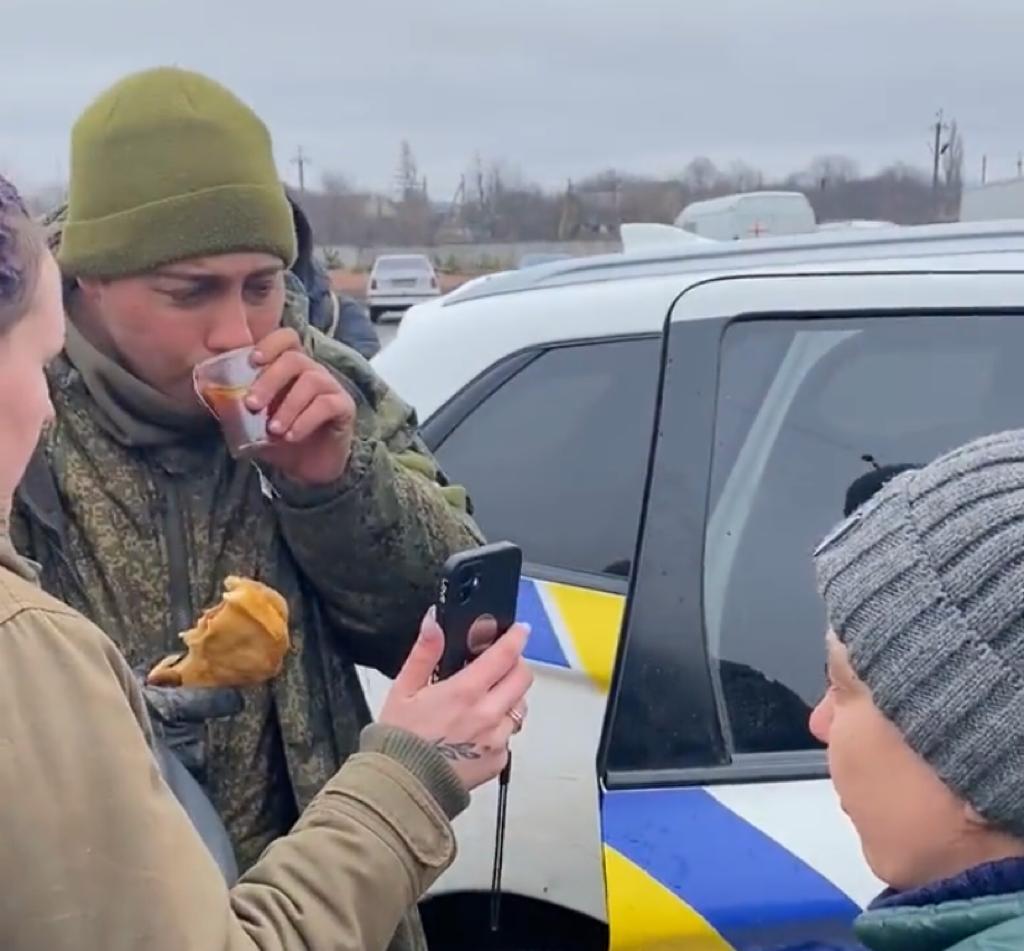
993	201
855	224
749	215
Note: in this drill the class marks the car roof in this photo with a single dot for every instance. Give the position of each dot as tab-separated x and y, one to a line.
442	345
418	258
859	249
729	202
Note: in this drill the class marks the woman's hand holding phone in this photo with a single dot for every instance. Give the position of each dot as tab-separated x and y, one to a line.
471	716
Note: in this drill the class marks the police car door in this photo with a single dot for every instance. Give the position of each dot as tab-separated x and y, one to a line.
720	828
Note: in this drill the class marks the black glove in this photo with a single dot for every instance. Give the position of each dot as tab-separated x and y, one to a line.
180	714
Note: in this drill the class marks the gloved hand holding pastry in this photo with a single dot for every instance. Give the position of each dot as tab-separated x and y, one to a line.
240	642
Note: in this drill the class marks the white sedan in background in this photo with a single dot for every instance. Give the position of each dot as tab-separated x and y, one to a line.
397	281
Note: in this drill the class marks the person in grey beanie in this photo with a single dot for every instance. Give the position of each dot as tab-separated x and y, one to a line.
924	712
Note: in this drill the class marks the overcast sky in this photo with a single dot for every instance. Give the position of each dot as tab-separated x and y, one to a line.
558	88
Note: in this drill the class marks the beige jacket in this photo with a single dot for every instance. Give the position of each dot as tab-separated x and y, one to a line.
96	852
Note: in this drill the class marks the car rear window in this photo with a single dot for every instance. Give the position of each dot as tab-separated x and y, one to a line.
410	263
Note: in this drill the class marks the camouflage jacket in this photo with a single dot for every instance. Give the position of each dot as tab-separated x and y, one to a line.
151	532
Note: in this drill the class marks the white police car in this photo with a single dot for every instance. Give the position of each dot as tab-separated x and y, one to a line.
668	435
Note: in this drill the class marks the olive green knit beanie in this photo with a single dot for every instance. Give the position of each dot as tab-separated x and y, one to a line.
168	165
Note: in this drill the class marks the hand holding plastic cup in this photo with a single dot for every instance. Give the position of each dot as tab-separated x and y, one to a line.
222	383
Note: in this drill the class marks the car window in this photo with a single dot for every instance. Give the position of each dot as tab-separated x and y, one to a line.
412	263
800	406
555	459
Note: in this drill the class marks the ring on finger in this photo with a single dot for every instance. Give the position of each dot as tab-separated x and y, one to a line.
517	720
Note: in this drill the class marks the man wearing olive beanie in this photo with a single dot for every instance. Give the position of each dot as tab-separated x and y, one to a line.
924	717
167	165
174	248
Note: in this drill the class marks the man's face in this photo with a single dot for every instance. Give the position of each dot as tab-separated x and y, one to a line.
160	325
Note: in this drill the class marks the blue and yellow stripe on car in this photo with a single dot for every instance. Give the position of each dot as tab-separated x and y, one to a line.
683	871
734	886
573	628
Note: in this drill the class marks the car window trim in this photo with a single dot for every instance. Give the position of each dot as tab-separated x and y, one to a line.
590	581
735	767
445	420
796	765
680	454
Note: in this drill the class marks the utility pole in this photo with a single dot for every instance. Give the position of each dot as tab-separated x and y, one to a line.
937	150
302	160
984	169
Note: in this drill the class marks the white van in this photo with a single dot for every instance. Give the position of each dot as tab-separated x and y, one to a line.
994	201
749	215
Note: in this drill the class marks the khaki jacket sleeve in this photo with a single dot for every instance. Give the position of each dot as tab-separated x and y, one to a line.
98	854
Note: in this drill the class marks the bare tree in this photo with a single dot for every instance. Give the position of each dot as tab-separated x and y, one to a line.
826	171
336	183
478	180
701	175
407	176
495	201
333	213
743	177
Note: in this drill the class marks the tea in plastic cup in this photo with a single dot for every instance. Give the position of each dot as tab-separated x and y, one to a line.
223	383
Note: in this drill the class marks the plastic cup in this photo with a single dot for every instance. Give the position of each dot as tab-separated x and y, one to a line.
222	383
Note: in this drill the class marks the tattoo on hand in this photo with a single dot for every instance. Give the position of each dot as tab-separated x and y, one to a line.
457	751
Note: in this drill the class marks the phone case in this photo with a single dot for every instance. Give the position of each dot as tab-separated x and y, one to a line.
483	581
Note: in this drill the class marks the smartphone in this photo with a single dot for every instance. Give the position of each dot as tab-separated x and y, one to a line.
477	585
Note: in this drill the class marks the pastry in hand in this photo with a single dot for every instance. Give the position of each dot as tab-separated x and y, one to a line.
240	642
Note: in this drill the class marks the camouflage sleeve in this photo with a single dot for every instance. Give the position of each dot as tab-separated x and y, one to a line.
373	546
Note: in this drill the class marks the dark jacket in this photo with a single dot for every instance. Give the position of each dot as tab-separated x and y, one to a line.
995	923
355	327
335	315
980	910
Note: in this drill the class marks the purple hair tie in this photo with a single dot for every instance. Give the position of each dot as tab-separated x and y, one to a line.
11	206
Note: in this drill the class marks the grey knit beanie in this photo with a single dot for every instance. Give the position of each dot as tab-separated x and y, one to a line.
925	586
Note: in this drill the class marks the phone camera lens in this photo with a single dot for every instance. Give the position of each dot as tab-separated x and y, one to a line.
467	588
